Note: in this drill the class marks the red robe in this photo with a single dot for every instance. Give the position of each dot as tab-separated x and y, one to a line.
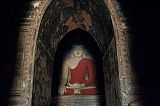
78	76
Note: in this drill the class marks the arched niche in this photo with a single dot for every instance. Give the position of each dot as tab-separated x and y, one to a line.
64	47
45	79
46	23
58	19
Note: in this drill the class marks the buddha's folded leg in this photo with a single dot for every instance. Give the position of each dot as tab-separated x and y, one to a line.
69	92
92	91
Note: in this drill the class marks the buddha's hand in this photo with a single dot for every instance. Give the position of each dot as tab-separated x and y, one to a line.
74	85
78	85
62	90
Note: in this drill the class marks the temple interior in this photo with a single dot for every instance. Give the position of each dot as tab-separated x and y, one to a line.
58	30
37	34
106	71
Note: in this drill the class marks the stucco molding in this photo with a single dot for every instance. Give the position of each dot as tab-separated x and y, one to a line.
28	32
23	81
123	52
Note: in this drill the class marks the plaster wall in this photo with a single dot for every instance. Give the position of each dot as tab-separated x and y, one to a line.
47	22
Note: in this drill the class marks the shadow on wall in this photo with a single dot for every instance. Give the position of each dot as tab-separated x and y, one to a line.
143	23
11	13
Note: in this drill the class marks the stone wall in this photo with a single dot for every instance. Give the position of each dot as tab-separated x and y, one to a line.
122	38
46	23
42	77
58	19
112	83
81	100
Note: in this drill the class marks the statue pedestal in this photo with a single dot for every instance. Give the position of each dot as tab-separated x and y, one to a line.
80	100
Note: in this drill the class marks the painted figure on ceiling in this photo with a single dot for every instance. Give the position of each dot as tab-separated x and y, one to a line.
78	73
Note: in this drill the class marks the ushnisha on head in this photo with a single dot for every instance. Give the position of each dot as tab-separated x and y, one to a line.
78	50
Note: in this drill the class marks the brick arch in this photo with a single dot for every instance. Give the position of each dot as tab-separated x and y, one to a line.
31	30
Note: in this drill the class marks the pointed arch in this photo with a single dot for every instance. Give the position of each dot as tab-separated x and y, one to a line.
47	23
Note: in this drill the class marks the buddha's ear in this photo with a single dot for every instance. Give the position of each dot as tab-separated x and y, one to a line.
66	57
85	53
69	54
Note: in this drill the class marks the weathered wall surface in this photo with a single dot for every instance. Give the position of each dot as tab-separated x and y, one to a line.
126	74
112	83
81	100
42	77
59	18
44	26
23	79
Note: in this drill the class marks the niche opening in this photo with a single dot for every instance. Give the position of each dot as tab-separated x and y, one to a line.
78	37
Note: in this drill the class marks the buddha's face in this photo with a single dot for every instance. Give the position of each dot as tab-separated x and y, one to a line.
78	52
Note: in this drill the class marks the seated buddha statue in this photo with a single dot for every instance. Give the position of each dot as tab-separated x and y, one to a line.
78	73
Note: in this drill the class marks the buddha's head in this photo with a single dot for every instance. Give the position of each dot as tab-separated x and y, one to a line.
78	50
